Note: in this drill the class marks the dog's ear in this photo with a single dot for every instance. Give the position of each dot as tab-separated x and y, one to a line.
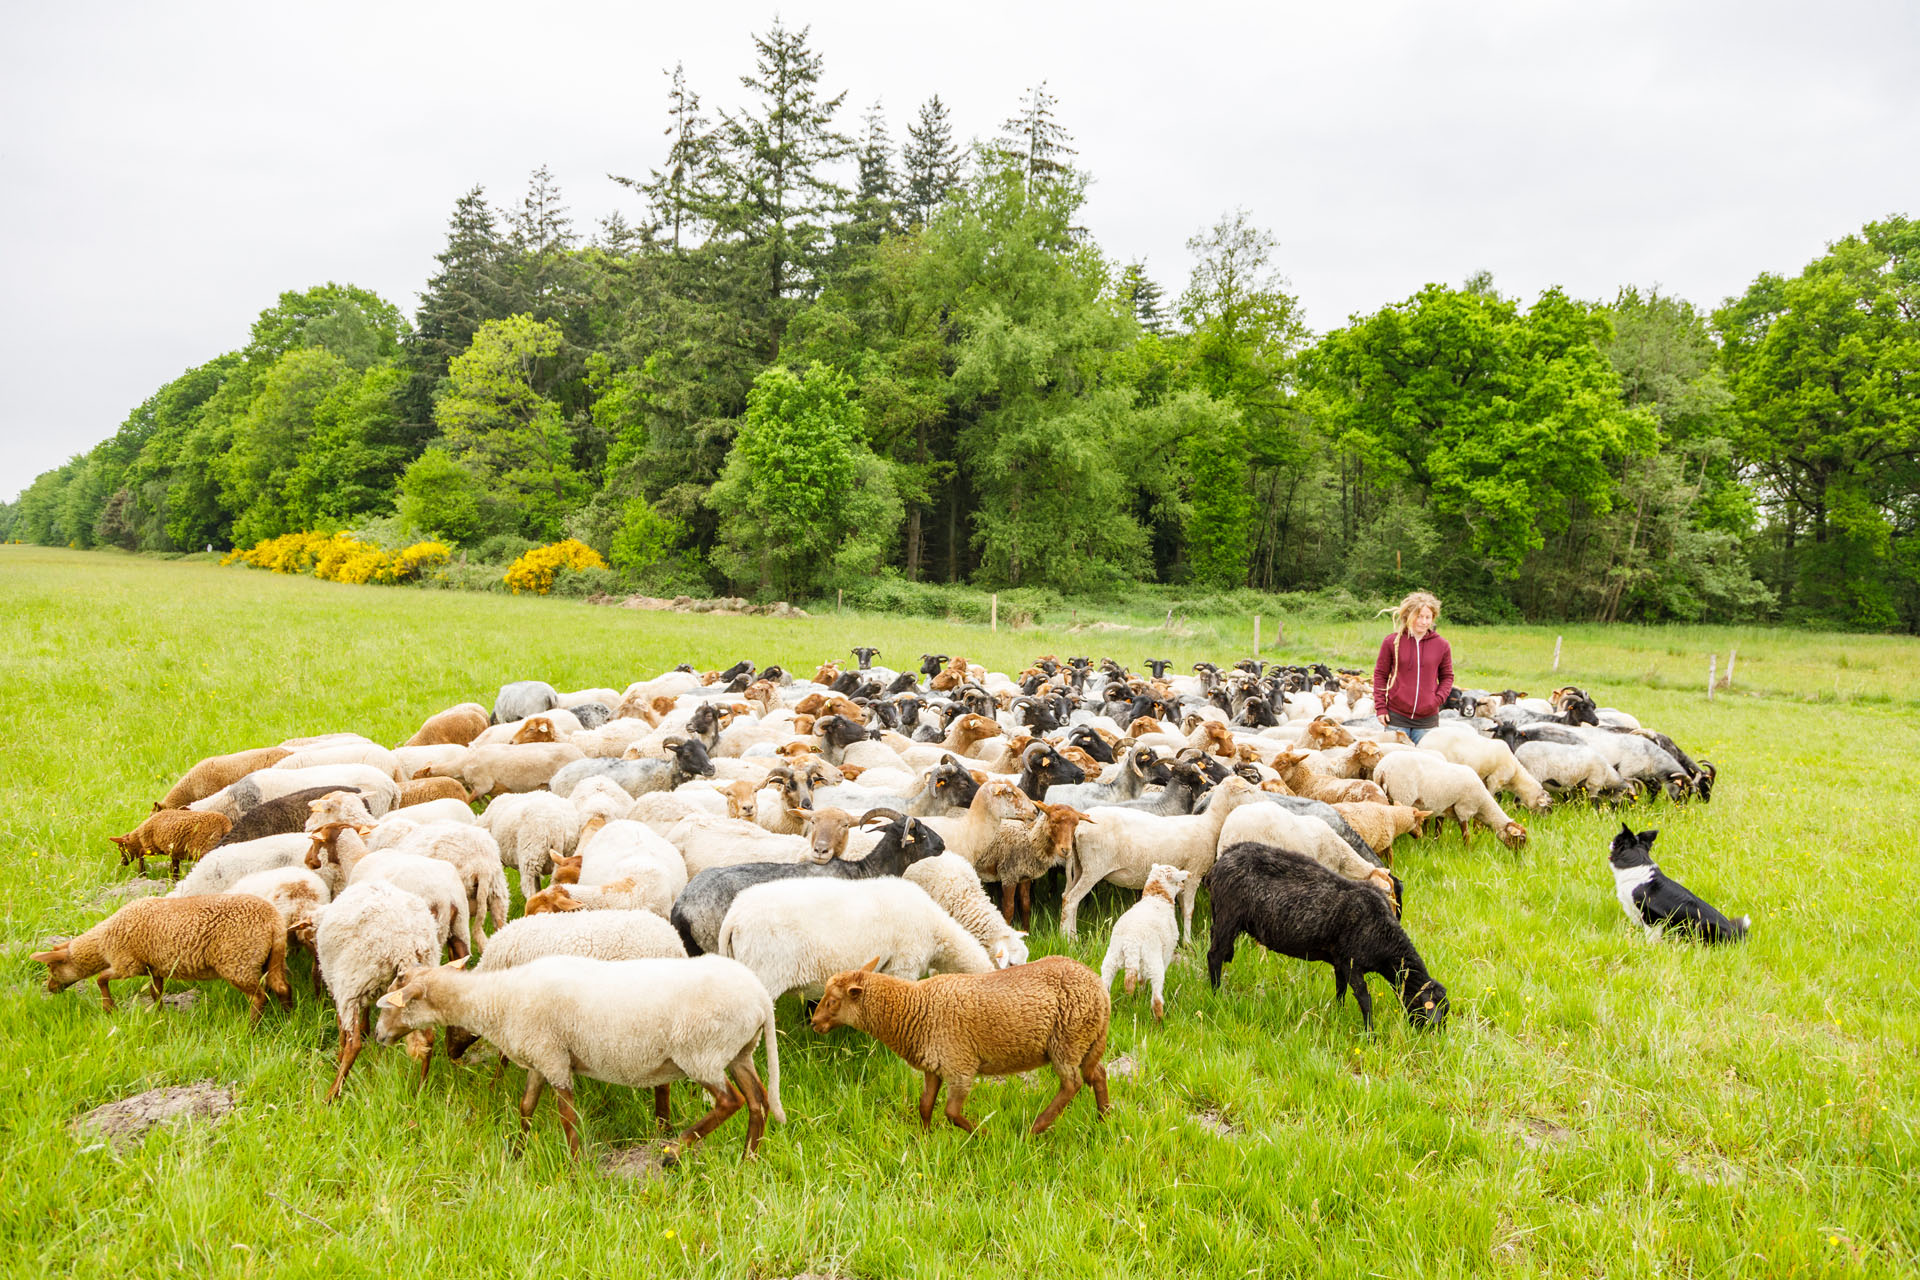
1646	838
1626	831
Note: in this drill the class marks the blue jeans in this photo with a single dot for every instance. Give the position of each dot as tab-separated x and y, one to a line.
1410	731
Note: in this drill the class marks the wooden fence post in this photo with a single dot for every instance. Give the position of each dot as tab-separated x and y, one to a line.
1731	655
1256	635
839	600
1556	652
994	622
1713	660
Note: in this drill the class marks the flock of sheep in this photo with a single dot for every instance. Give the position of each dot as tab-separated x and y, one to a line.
696	846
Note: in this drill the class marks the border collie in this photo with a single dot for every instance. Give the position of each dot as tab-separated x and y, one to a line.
1658	903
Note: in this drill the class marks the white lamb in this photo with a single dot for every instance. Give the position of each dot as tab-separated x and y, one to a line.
1144	938
641	1023
795	934
364	939
951	881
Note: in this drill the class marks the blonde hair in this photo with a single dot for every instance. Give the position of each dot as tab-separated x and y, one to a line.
1403	624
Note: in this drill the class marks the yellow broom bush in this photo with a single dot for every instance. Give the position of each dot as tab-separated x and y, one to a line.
534	571
339	558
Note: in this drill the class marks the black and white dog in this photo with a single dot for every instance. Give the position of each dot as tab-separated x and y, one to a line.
1657	903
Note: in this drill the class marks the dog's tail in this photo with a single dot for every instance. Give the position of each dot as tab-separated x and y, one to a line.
1740	926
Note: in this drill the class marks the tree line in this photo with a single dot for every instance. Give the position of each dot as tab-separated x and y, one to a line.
818	359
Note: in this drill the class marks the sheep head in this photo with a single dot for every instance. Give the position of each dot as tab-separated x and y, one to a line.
1513	835
536	729
840	1004
567	870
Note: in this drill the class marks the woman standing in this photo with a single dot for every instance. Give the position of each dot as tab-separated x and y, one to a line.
1414	673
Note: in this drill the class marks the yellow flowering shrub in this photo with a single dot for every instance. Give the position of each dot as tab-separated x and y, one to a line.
339	558
534	571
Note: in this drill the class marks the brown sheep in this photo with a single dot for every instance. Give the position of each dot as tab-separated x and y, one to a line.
1381	824
956	1027
827	674
233	936
174	834
215	772
420	790
811	705
567	870
1303	781
456	726
762	693
952	678
536	729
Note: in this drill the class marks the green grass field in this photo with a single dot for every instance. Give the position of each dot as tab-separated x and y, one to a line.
1597	1105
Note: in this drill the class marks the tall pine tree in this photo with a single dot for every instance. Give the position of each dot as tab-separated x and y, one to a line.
931	162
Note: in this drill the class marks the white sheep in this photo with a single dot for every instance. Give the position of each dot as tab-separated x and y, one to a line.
1564	767
661	809
366	753
598	935
434	882
1427	781
707	841
795	934
476	857
1145	936
564	724
364	939
295	892
532	830
630	853
415	761
227	865
1122	845
1492	759
641	1023
1301	833
951	881
503	769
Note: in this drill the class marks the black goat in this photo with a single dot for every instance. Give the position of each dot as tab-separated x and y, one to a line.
903	683
1044	767
1292	905
1088	739
866	657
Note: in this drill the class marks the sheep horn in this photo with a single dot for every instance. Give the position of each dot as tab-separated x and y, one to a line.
884	815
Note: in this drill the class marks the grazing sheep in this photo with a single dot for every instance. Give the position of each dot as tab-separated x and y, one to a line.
283	815
476	857
230	863
510	769
641	1023
1567	767
1492	759
434	882
368	753
532	830
378	791
1381	824
418	762
173	834
1427	781
688	760
958	1027
1144	938
216	772
1292	905
661	809
1122	845
1270	824
707	841
1303	780
295	892
701	907
523	698
951	881
238	939
456	726
795	934
368	936
597	935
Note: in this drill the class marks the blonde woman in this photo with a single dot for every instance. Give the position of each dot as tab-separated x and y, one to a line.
1414	673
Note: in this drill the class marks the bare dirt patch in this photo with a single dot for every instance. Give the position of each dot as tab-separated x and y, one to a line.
1214	1121
641	1162
126	1123
138	887
1122	1067
1536	1134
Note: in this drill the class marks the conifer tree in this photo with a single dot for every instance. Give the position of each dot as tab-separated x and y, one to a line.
931	162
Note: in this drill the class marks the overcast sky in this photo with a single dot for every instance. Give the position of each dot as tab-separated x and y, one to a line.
171	168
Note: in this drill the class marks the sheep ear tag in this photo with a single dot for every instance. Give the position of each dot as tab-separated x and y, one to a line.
392	1000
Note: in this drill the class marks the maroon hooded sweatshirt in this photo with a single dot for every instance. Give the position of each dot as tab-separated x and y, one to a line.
1424	680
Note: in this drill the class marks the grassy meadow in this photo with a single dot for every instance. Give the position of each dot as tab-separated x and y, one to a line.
1596	1106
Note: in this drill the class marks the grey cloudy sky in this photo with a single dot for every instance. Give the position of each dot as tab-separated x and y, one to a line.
170	168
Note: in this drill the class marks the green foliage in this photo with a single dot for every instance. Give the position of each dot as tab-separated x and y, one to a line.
443	497
645	538
496	421
802	499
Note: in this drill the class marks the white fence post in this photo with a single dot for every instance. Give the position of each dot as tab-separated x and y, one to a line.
1556	652
994	622
1713	660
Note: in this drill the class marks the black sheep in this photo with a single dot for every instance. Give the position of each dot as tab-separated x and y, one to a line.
1044	767
279	816
866	656
1292	905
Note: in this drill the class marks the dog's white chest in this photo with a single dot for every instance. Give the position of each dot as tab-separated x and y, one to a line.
1625	881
